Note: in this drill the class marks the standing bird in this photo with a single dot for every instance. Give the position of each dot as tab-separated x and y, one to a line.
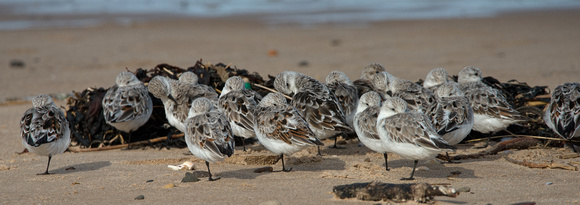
364	83
238	104
563	112
491	110
315	102
346	93
280	127
452	115
177	98
127	105
408	133
44	129
365	123
208	133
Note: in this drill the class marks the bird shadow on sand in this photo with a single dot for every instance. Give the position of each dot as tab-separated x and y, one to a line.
91	166
434	169
299	164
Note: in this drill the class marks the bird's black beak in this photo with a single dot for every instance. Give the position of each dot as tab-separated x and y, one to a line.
172	99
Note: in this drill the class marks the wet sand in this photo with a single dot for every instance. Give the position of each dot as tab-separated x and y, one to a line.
540	48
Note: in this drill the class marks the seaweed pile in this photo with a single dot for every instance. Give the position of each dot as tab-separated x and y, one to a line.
89	129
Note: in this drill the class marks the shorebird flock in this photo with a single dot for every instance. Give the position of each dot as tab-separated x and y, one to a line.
387	113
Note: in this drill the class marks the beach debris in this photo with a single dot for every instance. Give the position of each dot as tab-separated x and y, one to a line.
525	203
17	63
303	63
90	132
190	177
271	202
515	143
378	191
140	197
170	185
463	189
549	183
263	169
541	165
4	167
272	52
335	42
187	165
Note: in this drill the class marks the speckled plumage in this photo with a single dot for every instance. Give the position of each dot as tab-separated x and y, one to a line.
44	129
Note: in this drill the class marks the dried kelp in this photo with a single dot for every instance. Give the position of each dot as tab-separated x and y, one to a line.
377	191
90	130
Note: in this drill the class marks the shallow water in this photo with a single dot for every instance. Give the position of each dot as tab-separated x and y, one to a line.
74	13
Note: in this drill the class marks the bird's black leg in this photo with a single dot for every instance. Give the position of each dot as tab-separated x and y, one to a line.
208	171
283	166
413	172
244	143
46	172
335	140
319	153
449	159
386	162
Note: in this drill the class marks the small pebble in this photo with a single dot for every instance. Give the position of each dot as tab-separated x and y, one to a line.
151	180
303	63
271	202
140	197
335	42
463	189
15	63
170	185
549	183
190	177
263	169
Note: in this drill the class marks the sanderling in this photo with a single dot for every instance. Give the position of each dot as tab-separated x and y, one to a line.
44	129
280	127
452	115
127	105
209	92
437	77
346	93
364	83
315	102
563	112
176	97
365	123
417	97
491	110
208	133
238	104
408	133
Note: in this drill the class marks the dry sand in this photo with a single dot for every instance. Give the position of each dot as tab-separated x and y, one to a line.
540	48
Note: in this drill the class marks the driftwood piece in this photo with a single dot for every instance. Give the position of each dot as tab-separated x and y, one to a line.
121	146
516	143
377	191
541	165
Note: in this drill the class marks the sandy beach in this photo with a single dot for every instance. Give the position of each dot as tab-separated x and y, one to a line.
540	48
